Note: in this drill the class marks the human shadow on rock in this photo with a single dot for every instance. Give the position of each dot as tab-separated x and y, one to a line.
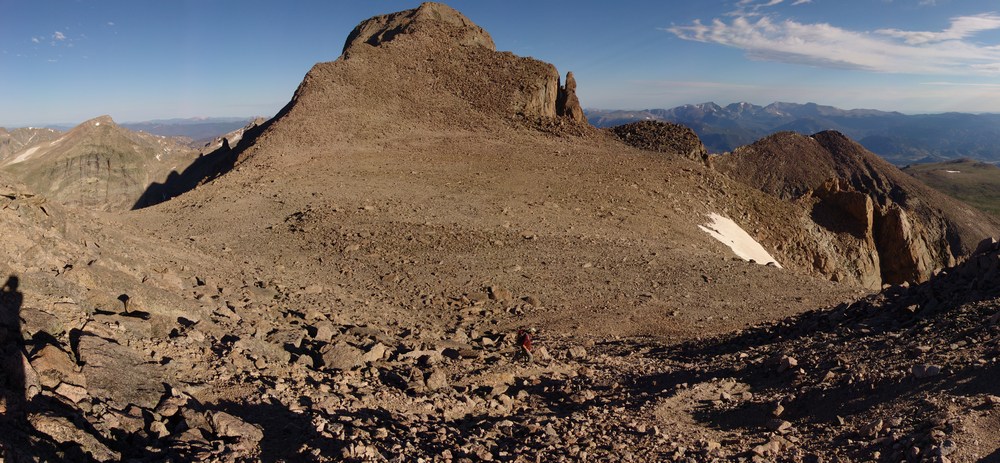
19	441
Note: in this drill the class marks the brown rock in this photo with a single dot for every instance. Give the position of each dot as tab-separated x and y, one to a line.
567	103
227	425
120	375
71	392
54	366
577	352
787	363
925	371
872	428
64	431
342	356
437	380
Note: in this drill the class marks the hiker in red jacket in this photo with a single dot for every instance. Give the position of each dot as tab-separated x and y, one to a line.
524	345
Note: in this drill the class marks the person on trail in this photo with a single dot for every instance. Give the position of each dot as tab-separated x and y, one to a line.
524	345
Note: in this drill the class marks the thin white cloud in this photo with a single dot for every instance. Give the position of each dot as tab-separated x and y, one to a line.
961	84
753	7
111	23
961	28
801	2
58	36
35	40
889	51
690	84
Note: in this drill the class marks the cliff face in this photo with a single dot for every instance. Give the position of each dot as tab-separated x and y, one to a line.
884	227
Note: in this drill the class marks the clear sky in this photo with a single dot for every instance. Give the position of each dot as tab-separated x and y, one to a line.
69	60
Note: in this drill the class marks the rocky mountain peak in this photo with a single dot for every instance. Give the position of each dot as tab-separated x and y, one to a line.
99	121
434	21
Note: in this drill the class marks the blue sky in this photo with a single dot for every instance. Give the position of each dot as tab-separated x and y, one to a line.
70	60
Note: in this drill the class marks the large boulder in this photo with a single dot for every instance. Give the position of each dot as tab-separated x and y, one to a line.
120	375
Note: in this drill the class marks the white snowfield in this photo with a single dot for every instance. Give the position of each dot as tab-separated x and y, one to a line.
953	171
24	156
742	244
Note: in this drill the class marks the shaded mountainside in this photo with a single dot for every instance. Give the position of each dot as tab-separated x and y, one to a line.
906	229
217	157
899	138
97	165
976	183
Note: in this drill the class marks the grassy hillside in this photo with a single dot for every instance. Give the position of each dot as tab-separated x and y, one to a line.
976	183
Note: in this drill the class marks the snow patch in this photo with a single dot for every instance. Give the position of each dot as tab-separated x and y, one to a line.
25	155
96	124
742	244
953	171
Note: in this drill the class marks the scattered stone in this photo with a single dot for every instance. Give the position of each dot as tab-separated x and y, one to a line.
227	425
787	363
71	392
779	426
499	294
437	380
577	352
325	332
947	447
342	356
313	289
375	353
925	371
872	428
769	449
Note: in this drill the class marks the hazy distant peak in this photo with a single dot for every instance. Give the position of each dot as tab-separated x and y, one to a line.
98	121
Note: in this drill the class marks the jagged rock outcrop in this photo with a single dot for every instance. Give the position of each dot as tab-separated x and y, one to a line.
884	226
567	103
662	137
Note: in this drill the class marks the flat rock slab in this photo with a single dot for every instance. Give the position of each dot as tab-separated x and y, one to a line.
119	375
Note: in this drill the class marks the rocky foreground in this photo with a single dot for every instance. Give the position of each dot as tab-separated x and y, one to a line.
346	283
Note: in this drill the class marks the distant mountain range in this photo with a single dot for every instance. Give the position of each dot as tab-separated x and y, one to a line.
199	129
899	138
97	164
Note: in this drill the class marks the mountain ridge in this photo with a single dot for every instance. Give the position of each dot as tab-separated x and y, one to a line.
899	138
97	164
422	256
